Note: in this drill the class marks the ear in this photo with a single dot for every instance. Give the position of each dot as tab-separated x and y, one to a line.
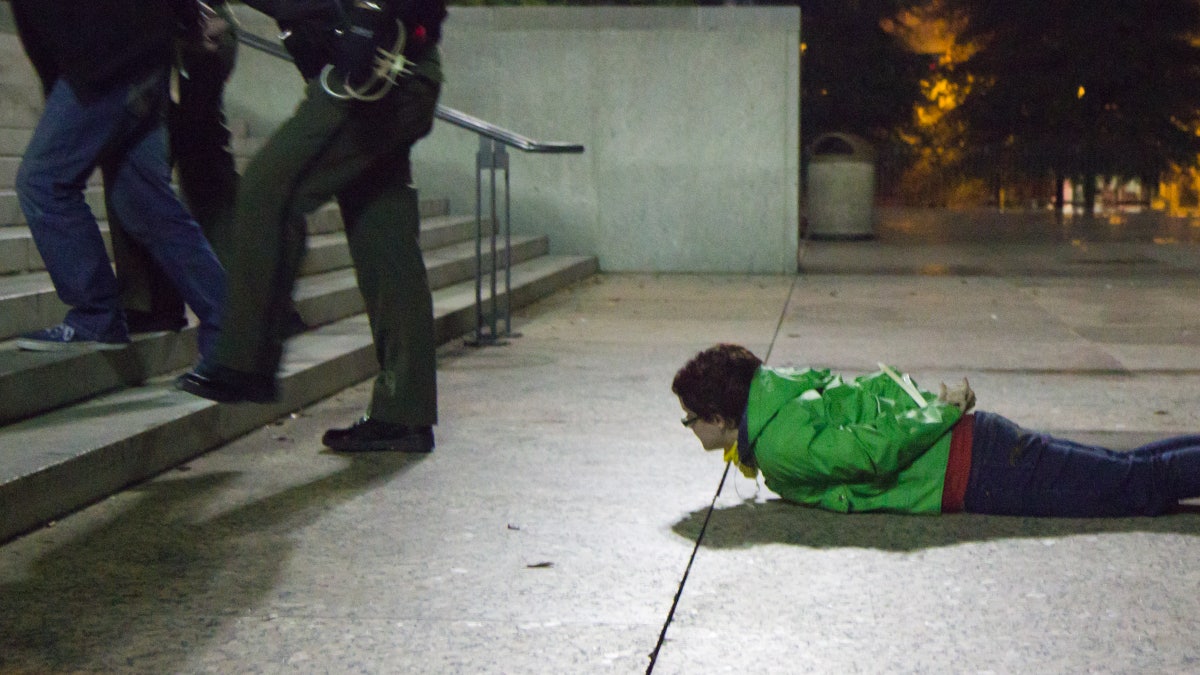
726	424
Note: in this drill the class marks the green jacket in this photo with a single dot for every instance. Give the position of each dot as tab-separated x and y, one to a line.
863	445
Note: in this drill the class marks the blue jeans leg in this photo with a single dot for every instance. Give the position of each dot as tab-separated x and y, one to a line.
151	212
1023	473
50	182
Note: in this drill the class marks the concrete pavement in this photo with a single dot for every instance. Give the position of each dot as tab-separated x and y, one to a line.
550	530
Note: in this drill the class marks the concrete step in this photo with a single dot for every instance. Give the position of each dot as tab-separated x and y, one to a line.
61	461
330	296
327	243
33	383
13	141
8	171
20	106
28	301
19	255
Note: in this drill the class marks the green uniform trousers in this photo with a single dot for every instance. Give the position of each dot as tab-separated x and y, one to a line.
358	153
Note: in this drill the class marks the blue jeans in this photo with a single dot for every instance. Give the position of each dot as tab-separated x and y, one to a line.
70	141
1023	473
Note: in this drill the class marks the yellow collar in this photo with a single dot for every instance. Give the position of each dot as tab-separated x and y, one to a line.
731	455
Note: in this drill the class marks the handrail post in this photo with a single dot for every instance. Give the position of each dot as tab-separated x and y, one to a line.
508	254
492	157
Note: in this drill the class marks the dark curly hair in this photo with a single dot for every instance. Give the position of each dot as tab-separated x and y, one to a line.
716	382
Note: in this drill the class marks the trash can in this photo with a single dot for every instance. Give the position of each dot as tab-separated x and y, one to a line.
841	188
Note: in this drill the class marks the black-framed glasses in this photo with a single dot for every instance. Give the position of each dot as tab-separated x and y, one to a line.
689	420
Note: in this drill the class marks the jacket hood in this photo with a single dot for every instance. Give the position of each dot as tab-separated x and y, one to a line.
772	388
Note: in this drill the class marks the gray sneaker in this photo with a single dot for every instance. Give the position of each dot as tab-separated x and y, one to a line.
64	338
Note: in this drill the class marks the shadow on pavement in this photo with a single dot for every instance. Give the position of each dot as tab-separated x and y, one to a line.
778	522
155	582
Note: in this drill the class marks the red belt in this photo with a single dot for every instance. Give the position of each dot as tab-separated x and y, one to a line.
958	467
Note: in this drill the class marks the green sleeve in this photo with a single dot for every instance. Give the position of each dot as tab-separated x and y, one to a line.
860	432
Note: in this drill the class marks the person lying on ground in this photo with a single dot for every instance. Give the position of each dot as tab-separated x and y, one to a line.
878	442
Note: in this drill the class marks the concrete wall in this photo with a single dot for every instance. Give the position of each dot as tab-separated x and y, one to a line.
263	90
690	117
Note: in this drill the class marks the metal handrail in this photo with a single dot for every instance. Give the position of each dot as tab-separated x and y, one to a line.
491	157
444	113
509	138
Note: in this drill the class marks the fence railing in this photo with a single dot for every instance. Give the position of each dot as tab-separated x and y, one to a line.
491	158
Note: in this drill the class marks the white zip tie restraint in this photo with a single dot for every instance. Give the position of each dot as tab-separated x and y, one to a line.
905	384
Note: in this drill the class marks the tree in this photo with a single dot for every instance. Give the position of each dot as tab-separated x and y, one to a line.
855	76
1081	89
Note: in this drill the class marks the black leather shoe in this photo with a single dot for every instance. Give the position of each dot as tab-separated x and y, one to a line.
225	385
368	435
